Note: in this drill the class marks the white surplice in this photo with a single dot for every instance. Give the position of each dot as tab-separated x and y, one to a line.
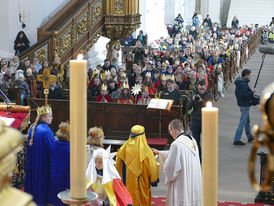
181	165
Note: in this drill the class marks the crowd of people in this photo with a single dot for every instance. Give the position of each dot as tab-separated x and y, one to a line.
185	60
168	65
23	75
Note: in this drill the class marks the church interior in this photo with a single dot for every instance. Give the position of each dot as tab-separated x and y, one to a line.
135	102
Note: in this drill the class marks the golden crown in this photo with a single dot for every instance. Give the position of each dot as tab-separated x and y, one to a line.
96	134
145	89
163	77
103	87
148	74
163	64
123	75
96	71
107	72
125	85
216	53
44	110
29	70
171	77
63	128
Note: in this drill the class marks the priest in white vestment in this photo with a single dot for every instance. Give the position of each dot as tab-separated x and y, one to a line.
182	169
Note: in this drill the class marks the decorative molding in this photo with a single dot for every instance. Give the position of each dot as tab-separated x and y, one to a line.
65	42
97	11
116	32
119	7
42	53
82	26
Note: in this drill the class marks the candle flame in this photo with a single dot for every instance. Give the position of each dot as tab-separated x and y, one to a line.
209	104
80	57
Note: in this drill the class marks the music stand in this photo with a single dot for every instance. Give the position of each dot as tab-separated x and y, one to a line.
161	105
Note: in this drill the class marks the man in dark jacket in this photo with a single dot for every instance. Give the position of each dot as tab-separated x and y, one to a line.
172	93
198	100
55	92
208	21
243	94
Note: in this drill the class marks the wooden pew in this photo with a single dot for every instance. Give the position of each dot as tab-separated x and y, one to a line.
115	119
14	95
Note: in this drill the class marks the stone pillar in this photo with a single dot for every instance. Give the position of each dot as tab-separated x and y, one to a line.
198	6
179	7
189	8
211	7
155	12
170	11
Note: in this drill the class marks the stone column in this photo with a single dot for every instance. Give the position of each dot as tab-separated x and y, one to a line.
169	12
189	8
211	7
198	6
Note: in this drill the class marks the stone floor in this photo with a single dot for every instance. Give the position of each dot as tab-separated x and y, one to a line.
234	184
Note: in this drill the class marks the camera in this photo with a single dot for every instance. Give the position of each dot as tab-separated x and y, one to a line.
197	97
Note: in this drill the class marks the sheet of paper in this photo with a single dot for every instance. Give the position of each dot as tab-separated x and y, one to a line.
8	121
158	103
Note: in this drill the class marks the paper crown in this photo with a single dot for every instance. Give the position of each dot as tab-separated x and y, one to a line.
177	62
171	77
107	72
219	66
29	70
148	74
96	71
103	87
44	110
164	64
98	133
125	85
64	127
124	75
145	89
163	77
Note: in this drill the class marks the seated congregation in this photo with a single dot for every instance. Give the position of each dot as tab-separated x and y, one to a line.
163	68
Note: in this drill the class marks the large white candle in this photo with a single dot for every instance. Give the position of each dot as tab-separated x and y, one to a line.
78	125
210	155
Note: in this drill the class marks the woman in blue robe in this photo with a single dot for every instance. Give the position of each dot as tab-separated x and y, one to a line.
39	139
59	179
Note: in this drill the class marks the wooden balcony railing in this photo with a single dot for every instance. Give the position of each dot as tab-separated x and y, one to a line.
82	28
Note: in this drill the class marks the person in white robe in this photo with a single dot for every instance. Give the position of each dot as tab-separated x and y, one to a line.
182	169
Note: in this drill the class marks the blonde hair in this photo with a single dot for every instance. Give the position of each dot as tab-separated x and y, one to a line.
34	125
44	110
63	132
95	136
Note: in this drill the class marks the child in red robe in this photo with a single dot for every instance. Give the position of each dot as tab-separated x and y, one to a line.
103	96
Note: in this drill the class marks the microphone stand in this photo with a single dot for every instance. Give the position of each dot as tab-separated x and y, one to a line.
8	101
263	57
